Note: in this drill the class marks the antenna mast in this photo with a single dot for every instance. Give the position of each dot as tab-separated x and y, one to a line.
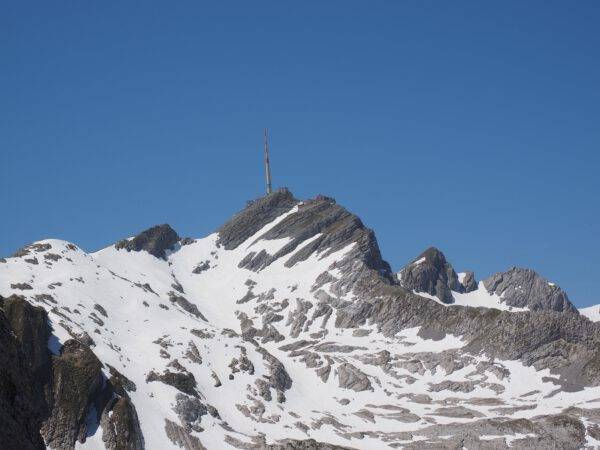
267	165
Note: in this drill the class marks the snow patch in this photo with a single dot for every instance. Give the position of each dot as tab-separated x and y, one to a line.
591	312
477	298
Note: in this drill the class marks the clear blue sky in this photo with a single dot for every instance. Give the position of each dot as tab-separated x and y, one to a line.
472	126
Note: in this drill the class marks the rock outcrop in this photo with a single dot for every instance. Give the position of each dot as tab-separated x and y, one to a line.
256	215
287	444
336	228
30	326
350	377
526	288
468	282
121	427
327	225
431	273
20	412
76	382
182	437
156	241
184	382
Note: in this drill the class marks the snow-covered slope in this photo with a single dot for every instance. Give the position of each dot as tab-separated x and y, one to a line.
271	332
591	312
477	298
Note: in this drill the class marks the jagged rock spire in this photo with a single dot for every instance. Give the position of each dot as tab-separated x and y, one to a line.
431	273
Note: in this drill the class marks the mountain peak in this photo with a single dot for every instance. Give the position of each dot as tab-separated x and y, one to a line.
430	272
255	216
317	225
522	287
155	240
433	255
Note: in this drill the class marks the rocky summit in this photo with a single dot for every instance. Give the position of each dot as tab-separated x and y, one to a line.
286	329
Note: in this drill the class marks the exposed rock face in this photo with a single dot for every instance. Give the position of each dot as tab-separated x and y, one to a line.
431	273
352	378
181	437
21	286
121	428
76	383
565	343
29	324
20	413
468	282
337	227
255	216
525	288
560	431
190	411
185	304
37	247
120	383
278	377
155	240
184	382
287	444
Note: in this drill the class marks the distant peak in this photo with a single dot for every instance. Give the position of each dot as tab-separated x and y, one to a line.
523	287
434	255
155	240
430	272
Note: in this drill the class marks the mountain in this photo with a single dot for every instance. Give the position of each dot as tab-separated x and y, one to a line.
286	329
432	274
524	288
516	289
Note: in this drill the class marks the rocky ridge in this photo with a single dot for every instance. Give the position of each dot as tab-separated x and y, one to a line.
525	288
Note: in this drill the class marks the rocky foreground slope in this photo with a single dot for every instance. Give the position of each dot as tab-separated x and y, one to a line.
286	329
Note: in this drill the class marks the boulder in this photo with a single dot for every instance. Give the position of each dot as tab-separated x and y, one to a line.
350	377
